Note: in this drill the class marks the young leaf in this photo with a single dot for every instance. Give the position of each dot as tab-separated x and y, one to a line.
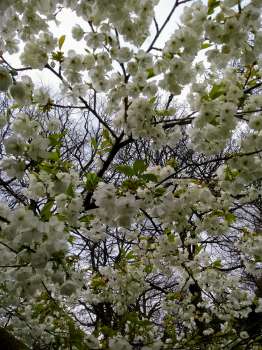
94	142
55	156
61	41
205	45
46	211
230	218
212	4
150	73
216	91
139	166
91	181
125	169
58	56
217	263
149	177
70	190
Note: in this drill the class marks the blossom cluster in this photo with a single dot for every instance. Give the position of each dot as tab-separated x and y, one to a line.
136	224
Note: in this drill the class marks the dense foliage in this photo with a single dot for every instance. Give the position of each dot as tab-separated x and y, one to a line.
130	188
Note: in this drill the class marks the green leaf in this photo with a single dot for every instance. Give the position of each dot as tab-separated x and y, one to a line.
139	166
212	4
230	218
148	268
46	211
91	181
174	296
71	239
205	45
125	169
55	139
97	282
104	150
49	168
198	248
70	190
131	185
15	106
106	136
130	255
216	91
94	142
217	263
87	218
172	162
55	156
152	100
150	73
76	336
58	56
159	191
61	41
149	177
